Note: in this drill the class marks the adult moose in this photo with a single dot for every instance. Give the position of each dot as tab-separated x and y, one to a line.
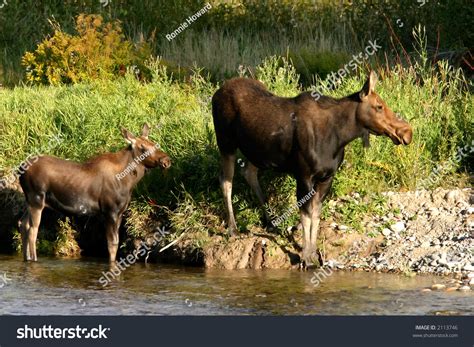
300	136
101	186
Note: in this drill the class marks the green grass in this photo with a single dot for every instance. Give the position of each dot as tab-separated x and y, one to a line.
88	118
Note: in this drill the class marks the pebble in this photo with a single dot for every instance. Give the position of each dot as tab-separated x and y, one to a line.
468	267
452	196
386	232
425	290
451	289
438	286
464	288
398	227
342	227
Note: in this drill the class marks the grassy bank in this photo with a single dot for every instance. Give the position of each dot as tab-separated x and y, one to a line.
87	118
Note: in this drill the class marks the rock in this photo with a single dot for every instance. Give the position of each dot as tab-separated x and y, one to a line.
425	244
398	227
468	267
438	286
464	288
451	289
386	232
426	290
471	282
412	238
342	227
452	196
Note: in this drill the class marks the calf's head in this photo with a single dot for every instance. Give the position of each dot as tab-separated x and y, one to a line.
377	118
145	151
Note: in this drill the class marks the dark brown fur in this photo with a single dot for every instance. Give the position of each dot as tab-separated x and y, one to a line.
299	136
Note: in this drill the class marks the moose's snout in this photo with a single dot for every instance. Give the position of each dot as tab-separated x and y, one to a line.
165	162
404	133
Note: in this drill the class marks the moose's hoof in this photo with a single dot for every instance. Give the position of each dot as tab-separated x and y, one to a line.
232	231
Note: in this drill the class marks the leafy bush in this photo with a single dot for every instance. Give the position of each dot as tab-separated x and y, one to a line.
99	50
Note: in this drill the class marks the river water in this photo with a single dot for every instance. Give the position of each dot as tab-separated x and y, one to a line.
55	286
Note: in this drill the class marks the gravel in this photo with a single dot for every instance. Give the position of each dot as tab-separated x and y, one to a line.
432	232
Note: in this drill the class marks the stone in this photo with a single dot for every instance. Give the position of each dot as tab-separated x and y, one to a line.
342	227
468	267
398	227
386	232
464	288
452	196
438	286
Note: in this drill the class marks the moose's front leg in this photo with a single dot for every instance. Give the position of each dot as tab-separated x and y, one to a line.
112	233
320	191
311	198
304	194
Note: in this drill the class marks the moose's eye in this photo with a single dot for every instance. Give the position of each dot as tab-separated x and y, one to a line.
379	108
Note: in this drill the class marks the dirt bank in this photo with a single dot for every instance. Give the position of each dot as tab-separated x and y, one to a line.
426	232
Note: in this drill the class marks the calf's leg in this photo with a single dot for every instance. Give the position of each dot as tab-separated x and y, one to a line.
112	234
227	174
24	226
29	232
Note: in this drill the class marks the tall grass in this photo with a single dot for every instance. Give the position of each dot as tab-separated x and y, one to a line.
88	117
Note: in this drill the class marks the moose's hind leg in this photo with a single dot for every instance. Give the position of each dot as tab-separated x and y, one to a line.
250	173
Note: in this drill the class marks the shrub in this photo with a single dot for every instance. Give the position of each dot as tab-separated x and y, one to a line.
99	50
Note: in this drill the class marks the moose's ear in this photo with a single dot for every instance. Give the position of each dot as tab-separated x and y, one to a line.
369	86
128	136
145	130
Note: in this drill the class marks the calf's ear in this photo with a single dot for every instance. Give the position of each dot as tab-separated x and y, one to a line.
128	136
369	86
145	130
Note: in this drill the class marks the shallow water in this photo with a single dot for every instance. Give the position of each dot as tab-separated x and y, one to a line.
71	287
